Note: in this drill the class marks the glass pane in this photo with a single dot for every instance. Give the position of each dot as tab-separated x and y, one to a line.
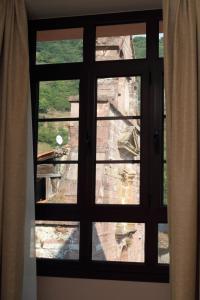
161	39
164	104
118	241
118	140
165	191
118	42
59	99
165	140
117	183
56	183
57	140
59	46
119	96
163	244
57	239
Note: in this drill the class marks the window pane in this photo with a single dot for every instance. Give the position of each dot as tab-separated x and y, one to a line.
165	191
59	46
165	140
118	42
163	244
118	140
57	239
119	96
57	183
164	99
118	241
59	99
57	140
161	39
117	183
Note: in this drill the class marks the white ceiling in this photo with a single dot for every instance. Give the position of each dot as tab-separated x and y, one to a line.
38	9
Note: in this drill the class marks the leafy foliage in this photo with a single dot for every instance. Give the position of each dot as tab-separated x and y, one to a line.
47	134
165	192
161	47
55	52
54	95
139	45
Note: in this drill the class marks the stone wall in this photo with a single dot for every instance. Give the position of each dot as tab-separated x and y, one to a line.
118	242
114	48
56	239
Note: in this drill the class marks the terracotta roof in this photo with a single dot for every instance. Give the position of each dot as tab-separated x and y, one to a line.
46	155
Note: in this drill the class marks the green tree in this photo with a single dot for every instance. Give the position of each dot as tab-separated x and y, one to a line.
161	47
54	95
47	134
55	52
139	45
43	105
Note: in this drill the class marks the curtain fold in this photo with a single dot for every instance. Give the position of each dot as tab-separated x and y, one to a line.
181	67
14	95
29	273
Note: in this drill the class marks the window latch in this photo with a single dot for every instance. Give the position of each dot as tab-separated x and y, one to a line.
88	140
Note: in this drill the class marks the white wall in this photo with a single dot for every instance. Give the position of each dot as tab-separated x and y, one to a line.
51	288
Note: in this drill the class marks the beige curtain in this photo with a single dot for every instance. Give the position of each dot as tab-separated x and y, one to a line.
14	84
29	273
182	72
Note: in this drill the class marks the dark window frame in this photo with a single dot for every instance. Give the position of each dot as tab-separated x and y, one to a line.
151	211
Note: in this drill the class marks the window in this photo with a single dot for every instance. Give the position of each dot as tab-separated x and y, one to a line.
99	150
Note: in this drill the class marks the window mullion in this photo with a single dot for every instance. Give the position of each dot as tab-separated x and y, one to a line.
87	132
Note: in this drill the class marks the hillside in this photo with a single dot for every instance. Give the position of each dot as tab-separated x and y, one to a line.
52	93
56	52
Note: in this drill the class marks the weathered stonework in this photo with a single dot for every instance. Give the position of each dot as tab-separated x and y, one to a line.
118	242
57	239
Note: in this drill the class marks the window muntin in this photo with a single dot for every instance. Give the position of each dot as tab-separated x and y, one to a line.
57	142
118	140
86	210
165	175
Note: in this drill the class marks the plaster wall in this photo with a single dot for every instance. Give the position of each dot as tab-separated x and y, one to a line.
51	288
